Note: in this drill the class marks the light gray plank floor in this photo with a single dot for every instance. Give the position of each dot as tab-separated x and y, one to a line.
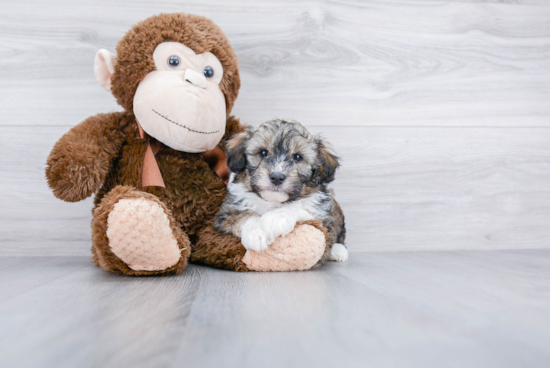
414	309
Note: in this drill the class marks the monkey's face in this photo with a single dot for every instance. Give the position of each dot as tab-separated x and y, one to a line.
180	103
178	74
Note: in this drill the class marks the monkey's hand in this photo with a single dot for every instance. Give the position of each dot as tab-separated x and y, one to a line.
80	161
279	222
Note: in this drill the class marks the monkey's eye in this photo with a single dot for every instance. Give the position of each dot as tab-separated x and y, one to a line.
208	72
264	153
174	61
297	157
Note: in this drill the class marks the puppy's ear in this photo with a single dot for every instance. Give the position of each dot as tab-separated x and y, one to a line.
236	146
327	162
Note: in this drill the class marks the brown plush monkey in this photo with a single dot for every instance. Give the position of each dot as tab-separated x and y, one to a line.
176	77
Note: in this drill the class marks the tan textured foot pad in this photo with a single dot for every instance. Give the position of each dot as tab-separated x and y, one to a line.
298	251
139	234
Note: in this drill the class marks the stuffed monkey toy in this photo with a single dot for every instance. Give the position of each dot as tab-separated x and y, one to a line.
157	169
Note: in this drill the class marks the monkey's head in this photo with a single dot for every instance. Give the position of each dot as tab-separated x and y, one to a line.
178	74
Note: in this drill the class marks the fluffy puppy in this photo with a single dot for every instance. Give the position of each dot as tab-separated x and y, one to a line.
280	175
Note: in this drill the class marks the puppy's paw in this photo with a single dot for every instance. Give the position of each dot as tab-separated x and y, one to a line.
338	253
277	223
253	237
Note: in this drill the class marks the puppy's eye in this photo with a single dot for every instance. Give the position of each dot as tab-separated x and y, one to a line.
264	153
208	72
297	157
174	61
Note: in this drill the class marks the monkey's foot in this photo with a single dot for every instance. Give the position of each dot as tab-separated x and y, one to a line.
139	234
298	251
134	233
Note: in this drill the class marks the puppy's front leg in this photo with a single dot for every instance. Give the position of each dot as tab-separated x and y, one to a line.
253	237
279	222
243	224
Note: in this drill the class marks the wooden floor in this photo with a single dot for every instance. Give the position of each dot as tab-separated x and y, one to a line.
413	309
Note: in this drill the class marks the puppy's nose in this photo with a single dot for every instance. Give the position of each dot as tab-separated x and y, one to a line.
277	178
195	78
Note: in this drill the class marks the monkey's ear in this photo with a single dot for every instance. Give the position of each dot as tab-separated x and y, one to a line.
236	147
327	163
104	67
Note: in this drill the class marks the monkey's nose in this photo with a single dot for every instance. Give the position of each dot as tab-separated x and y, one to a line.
195	78
277	178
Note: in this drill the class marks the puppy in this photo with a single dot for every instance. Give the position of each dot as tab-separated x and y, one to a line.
280	175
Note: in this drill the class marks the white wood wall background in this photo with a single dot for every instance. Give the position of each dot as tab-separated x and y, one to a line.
440	110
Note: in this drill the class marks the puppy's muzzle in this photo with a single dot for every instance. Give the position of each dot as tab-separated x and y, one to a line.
277	178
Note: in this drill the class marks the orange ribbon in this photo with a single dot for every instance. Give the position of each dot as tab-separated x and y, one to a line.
150	174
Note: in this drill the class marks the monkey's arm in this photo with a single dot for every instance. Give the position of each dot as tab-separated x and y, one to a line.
81	159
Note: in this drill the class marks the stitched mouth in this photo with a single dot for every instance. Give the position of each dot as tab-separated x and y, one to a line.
183	126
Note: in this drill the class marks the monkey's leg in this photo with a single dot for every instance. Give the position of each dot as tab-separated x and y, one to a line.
134	233
305	247
300	250
218	250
